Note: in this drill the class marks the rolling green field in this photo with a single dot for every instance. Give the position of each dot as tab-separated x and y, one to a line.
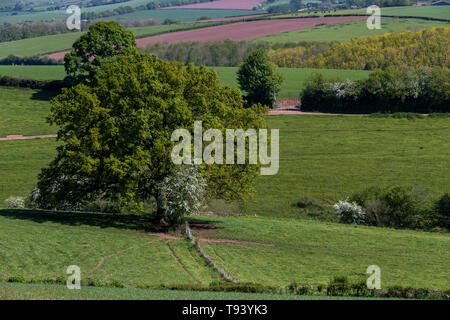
313	252
284	250
61	42
294	78
326	158
438	12
351	30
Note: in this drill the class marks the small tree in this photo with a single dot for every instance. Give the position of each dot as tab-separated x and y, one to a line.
103	41
180	194
257	76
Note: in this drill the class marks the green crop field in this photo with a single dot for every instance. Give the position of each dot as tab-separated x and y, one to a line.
351	30
280	251
61	42
438	12
294	78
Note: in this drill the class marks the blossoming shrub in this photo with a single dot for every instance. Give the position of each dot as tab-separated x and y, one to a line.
350	212
15	203
181	194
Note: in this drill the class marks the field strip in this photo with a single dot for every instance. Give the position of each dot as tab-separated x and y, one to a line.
21	137
179	262
103	261
237	31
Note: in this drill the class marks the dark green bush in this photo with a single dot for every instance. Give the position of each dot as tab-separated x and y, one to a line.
398	207
443	209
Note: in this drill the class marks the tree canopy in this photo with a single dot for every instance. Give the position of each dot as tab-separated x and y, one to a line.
258	77
103	41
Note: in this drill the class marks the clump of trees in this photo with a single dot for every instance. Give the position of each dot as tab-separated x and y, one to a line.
257	76
428	47
18	31
35	60
230	53
421	90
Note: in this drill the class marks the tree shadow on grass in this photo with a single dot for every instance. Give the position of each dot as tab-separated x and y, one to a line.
145	223
45	95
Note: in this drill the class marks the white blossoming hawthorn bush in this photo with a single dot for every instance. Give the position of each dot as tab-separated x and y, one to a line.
15	203
350	212
181	193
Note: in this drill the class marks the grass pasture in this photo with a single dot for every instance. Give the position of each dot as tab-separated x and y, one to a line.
39	245
313	252
294	78
326	158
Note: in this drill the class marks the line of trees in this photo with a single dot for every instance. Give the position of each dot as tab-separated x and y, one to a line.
18	31
427	47
406	89
230	53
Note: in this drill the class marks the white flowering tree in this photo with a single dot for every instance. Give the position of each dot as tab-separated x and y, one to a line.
350	212
181	194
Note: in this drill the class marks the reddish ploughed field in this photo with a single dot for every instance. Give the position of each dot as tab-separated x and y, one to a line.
243	30
237	31
222	4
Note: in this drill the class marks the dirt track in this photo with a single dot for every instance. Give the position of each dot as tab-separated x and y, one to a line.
21	137
237	31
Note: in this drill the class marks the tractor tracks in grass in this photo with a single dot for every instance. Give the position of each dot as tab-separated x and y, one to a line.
115	254
174	256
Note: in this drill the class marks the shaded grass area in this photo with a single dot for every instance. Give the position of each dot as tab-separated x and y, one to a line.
38	245
294	78
313	252
19	291
351	30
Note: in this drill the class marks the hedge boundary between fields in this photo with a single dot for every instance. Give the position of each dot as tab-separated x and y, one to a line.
20	82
